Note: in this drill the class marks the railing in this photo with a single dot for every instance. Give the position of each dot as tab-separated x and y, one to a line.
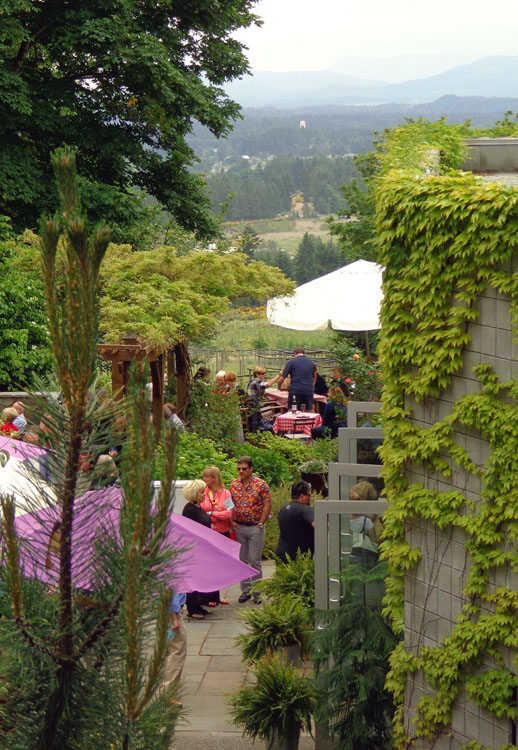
242	361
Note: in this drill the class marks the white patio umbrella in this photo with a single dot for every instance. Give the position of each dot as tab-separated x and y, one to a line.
349	299
23	483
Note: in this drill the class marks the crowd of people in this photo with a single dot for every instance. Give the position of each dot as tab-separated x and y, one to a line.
301	381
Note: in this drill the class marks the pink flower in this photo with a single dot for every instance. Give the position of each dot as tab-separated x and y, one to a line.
371	372
347	380
356	356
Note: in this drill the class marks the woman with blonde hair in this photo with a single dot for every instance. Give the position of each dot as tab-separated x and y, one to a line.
193	492
217	503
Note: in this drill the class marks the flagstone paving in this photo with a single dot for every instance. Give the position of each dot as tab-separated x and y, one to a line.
213	670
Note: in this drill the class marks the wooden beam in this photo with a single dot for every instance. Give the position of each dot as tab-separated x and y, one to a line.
157	367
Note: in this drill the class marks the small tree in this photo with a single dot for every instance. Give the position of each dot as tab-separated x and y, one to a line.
75	664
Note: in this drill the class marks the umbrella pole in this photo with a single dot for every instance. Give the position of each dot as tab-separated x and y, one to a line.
367	347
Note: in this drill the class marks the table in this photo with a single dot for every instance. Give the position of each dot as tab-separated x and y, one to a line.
281	397
287	422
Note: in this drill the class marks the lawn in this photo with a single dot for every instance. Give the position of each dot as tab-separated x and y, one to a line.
287	233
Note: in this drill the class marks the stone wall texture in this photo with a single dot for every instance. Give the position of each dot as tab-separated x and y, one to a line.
434	589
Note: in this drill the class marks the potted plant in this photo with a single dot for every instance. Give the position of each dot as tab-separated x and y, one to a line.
281	625
293	577
278	706
314	471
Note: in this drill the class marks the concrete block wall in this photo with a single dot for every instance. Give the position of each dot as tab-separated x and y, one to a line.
434	589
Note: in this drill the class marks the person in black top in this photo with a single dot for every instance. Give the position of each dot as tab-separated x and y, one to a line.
303	375
296	523
194	492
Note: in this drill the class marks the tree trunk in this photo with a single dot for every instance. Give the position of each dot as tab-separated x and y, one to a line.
183	377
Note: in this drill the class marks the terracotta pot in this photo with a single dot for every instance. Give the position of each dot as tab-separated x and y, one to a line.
289	743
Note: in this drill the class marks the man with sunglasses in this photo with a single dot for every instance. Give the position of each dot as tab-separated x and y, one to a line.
252	505
296	524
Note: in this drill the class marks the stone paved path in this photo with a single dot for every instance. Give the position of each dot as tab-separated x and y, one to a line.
212	670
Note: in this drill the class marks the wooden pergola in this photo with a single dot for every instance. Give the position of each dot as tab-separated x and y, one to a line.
173	360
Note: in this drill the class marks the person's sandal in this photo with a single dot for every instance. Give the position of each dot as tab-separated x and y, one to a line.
223	601
196	616
213	604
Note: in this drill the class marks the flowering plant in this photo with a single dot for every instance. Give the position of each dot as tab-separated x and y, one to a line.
362	374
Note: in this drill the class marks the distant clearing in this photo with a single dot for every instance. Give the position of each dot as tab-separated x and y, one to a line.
287	233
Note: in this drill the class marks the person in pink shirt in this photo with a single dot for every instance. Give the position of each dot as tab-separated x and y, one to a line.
217	503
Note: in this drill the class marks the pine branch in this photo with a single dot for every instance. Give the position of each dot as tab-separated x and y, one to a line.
12	557
100	630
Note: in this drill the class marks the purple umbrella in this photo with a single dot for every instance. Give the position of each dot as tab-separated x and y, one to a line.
207	561
19	449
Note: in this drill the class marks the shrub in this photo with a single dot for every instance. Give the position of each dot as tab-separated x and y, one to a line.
280	496
214	415
326	450
351	651
294	451
364	372
268	464
194	455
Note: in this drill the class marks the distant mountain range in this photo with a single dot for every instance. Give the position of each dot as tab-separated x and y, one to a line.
489	77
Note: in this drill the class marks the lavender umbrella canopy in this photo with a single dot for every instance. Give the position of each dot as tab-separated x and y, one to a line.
19	449
207	561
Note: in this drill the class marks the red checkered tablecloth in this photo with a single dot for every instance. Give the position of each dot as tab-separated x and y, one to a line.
285	422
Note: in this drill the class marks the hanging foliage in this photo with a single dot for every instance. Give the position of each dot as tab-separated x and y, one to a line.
443	239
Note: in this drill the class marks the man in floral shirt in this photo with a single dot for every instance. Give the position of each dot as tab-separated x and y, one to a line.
252	505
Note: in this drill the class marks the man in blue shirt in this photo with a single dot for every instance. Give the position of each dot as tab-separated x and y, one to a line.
303	374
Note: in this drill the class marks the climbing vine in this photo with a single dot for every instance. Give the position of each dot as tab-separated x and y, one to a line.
443	239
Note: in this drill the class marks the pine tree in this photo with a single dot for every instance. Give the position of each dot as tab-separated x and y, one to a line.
306	265
76	665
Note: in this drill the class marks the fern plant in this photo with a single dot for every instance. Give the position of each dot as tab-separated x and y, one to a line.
278	706
277	624
295	577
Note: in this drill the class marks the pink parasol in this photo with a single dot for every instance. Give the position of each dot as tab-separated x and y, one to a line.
207	561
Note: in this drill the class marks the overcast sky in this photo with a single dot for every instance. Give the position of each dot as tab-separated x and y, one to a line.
313	34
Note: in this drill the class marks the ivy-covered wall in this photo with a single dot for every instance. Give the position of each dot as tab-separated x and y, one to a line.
449	245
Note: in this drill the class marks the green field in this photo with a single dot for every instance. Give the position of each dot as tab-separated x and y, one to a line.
240	343
257	333
260	226
287	233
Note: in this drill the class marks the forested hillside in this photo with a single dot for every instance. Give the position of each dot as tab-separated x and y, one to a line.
272	155
262	190
331	130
